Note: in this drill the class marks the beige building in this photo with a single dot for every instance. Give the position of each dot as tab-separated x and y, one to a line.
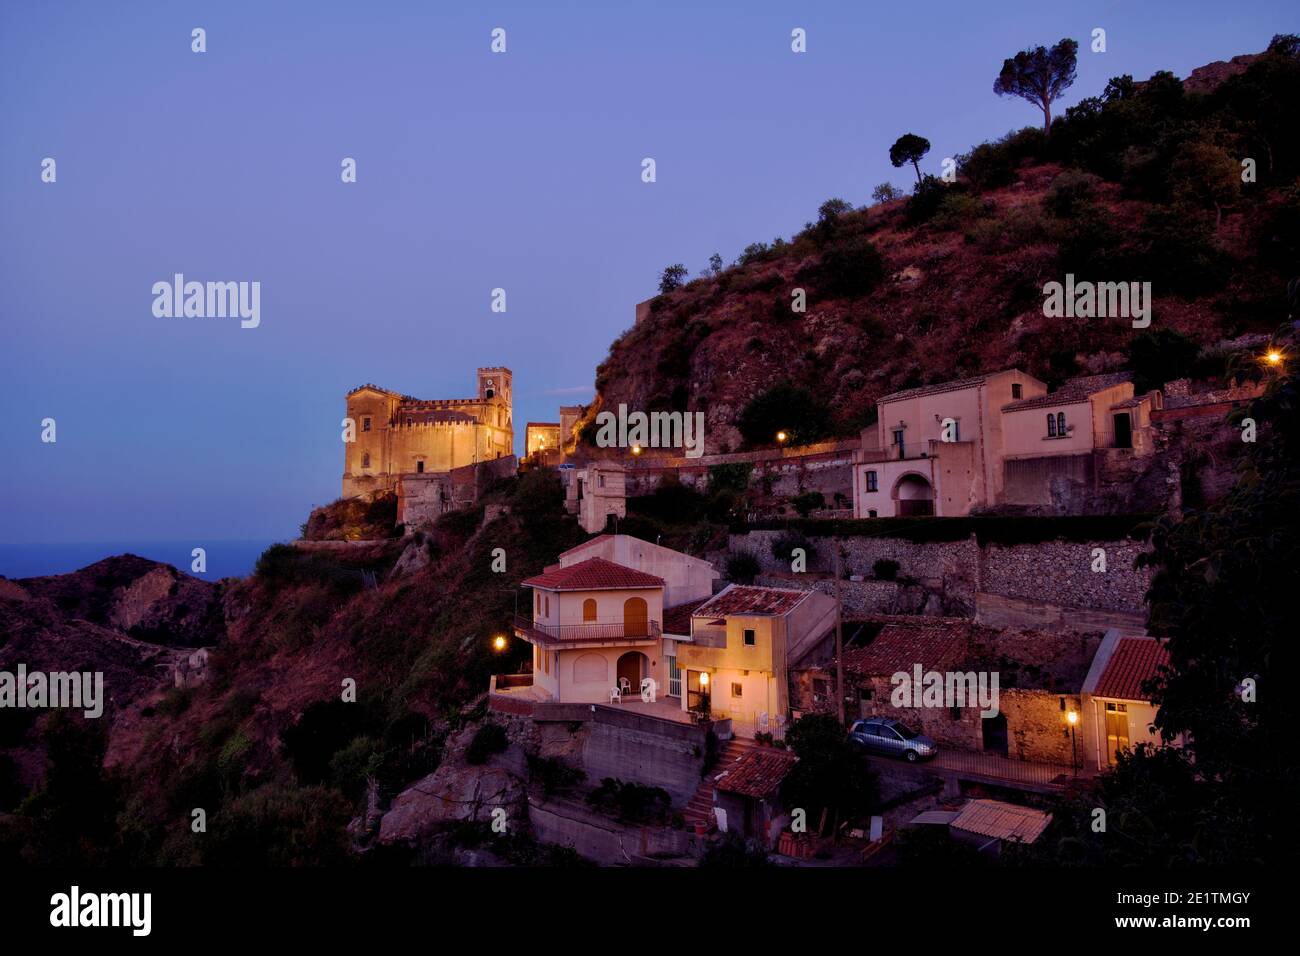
595	492
400	435
741	645
949	448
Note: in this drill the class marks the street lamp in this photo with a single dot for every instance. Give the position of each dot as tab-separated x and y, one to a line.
781	437
1073	718
636	449
1274	357
499	643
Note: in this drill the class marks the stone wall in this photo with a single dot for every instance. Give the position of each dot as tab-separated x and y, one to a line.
1052	573
603	742
1061	572
570	823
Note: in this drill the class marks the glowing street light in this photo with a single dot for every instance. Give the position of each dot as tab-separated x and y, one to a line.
636	449
498	643
781	437
1274	357
1072	717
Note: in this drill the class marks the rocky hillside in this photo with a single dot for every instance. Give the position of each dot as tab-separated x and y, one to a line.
1141	183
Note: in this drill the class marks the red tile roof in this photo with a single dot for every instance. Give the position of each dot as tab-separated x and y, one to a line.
1072	392
899	647
1134	660
744	600
594	574
677	620
937	388
757	773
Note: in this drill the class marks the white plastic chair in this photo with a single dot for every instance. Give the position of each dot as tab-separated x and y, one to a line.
615	695
624	685
648	689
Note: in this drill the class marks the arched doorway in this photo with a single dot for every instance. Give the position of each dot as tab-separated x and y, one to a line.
913	495
633	665
636	617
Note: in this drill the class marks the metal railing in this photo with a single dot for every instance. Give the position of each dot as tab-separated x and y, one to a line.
590	631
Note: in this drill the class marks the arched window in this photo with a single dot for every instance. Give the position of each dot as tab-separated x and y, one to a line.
365	460
1060	424
1051	425
589	610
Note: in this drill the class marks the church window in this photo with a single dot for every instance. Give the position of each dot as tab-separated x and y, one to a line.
419	467
365	460
365	424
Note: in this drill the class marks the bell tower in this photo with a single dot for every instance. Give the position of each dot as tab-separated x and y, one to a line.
494	384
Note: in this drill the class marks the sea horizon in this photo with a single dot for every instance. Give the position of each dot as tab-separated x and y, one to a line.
224	558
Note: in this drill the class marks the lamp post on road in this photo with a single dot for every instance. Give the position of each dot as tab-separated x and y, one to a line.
1073	718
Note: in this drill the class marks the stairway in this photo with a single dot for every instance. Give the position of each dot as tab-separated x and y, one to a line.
699	809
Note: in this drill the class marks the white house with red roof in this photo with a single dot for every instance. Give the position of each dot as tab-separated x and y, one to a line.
1117	714
618	612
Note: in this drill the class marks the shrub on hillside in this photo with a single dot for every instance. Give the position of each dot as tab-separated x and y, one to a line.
743	567
849	269
885	569
792	409
993	165
1157	356
734	476
784	546
1071	193
924	201
806	502
489	739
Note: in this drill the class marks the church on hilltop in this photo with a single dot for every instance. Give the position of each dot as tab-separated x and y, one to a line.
397	435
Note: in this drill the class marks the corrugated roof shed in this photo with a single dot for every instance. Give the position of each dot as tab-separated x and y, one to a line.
1002	821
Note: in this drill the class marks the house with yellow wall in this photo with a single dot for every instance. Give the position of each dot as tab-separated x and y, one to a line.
742	644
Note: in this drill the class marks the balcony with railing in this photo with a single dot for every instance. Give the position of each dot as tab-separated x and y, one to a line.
929	448
590	632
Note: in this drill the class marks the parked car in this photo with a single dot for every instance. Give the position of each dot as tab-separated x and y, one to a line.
892	738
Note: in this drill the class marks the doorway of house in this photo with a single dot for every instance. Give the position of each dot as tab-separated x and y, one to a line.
1116	731
995	734
633	666
1123	430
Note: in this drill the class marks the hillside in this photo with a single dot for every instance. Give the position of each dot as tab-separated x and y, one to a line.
1139	184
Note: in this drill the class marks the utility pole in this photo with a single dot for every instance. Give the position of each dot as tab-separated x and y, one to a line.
839	636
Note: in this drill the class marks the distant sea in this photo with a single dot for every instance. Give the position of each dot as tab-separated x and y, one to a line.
226	559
